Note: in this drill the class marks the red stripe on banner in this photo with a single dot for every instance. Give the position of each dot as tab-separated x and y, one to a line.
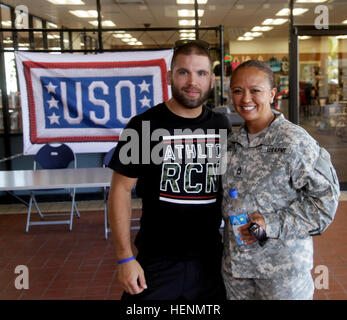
187	197
82	65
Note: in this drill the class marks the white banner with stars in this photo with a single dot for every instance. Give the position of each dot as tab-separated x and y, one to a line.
85	101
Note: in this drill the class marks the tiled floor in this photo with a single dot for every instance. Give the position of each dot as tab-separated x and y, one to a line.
81	264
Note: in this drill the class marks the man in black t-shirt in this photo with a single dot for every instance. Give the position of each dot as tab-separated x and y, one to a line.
172	153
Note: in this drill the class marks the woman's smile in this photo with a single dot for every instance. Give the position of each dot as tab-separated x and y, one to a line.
252	96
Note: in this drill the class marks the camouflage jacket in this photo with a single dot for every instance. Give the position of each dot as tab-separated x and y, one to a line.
283	174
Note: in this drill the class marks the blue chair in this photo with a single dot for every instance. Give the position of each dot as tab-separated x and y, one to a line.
52	157
107	160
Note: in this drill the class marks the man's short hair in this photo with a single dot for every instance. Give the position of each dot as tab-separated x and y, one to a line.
189	47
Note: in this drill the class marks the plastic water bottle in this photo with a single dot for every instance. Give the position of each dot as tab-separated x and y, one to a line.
238	216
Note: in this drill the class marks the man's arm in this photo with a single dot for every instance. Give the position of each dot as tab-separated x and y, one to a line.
130	273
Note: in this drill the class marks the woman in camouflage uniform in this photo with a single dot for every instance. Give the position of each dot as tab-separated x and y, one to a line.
289	185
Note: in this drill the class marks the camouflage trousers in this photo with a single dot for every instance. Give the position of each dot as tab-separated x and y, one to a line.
292	288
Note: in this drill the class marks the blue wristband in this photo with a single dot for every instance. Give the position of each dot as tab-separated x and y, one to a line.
126	260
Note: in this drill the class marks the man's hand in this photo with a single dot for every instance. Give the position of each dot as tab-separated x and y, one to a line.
131	277
246	237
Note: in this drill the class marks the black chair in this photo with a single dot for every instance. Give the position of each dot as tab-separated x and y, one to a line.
52	157
107	160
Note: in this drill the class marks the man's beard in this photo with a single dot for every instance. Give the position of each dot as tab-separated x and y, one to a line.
186	102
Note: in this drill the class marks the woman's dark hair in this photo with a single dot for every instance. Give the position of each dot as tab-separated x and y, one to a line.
261	65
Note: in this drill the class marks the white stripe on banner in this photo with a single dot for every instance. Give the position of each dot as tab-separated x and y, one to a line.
86	101
188	137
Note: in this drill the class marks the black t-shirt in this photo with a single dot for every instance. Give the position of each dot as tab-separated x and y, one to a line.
175	160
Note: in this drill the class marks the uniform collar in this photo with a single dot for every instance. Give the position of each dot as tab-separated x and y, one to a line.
266	137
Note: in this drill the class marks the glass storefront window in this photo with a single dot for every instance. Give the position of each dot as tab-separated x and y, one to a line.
38	39
323	95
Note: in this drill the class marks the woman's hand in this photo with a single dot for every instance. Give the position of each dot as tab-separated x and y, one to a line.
246	237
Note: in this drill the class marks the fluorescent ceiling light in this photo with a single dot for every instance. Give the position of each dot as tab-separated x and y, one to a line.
262	29
345	21
274	21
252	34
304	37
296	12
245	38
6	23
187	35
191	1
341	37
127	35
187	22
84	13
139	43
311	1
53	36
118	35
52	25
125	39
189	13
186	31
106	23
66	2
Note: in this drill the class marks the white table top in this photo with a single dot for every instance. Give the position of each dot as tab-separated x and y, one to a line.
55	178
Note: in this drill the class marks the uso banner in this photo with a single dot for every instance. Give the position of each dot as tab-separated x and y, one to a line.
86	100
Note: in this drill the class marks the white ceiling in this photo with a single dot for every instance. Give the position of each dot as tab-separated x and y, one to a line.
237	16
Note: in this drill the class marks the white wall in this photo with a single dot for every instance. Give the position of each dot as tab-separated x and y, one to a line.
259	46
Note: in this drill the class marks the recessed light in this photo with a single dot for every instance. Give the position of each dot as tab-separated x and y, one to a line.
274	21
6	23
245	38
191	1
51	25
240	6
186	31
296	12
311	1
187	22
189	13
187	35
262	28
252	34
106	23
84	13
66	2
